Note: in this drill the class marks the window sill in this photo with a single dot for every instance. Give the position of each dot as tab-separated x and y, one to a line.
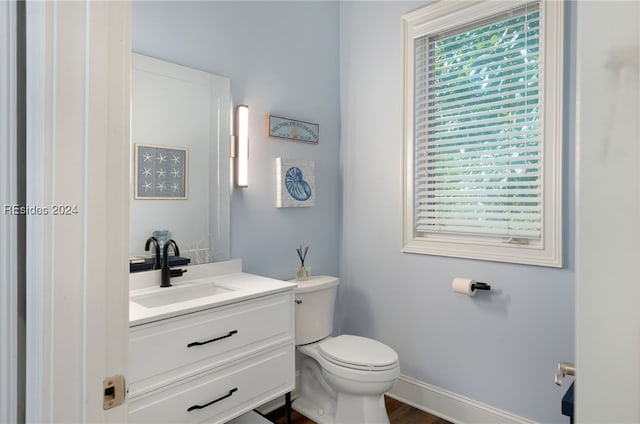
497	251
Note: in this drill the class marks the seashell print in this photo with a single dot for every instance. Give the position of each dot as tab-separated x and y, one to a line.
297	187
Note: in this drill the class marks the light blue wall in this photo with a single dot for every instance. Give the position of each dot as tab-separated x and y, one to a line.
282	58
500	349
339	64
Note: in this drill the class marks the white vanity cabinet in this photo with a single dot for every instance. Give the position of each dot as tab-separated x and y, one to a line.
214	364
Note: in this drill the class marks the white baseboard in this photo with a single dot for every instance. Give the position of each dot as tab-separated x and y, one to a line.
434	400
450	406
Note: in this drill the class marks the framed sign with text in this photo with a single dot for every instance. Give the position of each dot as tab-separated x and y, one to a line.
292	129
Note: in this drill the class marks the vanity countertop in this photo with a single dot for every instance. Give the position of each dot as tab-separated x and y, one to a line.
232	285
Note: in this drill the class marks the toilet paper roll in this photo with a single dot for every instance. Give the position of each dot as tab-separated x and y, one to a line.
464	286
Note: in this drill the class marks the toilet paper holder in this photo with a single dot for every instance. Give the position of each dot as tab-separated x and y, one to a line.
468	286
480	286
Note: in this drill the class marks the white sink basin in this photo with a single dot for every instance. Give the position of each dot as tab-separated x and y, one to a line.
179	293
212	285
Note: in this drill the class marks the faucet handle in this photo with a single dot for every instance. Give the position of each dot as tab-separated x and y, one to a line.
564	368
177	272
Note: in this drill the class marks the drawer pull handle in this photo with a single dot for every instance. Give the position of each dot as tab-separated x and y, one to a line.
231	333
191	408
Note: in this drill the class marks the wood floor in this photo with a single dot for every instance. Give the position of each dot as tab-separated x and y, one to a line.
399	413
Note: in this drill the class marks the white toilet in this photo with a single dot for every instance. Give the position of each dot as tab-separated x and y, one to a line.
343	378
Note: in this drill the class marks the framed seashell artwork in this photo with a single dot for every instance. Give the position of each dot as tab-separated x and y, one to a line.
295	183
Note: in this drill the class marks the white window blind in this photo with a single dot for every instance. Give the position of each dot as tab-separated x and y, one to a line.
478	128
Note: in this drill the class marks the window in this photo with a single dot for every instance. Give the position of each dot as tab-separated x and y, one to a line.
483	131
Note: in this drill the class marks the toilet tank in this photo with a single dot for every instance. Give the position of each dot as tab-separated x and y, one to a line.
314	302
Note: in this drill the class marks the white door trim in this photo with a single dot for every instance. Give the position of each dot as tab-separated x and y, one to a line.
8	223
78	57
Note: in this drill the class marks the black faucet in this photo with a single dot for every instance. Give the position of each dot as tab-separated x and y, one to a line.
146	249
166	272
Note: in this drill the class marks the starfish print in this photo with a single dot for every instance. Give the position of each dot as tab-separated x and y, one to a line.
147	157
161	172
175	173
146	172
175	187
147	186
161	158
176	159
161	187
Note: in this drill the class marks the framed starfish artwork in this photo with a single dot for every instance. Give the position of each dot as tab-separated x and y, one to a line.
161	172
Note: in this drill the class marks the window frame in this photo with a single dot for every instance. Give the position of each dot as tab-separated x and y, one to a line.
547	251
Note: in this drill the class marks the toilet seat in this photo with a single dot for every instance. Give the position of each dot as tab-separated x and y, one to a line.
358	353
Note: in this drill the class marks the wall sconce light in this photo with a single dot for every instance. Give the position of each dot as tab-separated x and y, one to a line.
241	147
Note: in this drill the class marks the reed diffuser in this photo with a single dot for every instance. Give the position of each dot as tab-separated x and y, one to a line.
303	272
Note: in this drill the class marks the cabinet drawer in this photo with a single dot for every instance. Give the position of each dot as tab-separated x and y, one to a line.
219	395
176	348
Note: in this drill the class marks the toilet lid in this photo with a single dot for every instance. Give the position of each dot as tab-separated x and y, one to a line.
359	353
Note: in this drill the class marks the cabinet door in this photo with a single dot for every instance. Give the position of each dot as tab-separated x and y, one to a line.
180	347
220	395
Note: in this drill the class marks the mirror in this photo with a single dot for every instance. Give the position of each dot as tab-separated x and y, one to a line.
180	159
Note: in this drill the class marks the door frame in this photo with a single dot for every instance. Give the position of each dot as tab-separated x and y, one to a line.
9	223
78	72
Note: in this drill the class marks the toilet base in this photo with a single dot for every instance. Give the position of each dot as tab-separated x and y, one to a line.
351	410
361	409
317	400
322	404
